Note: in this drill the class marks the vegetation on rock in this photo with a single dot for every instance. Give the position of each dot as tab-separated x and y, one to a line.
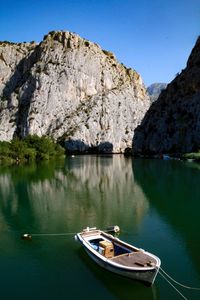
32	148
193	156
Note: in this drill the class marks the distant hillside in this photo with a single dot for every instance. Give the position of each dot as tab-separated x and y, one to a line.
155	89
172	124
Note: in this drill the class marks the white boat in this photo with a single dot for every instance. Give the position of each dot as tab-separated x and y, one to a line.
119	257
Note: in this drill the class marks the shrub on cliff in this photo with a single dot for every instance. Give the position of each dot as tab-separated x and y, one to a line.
30	149
5	152
20	151
193	155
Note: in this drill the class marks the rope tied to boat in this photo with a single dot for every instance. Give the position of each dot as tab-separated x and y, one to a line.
28	236
170	279
173	286
180	284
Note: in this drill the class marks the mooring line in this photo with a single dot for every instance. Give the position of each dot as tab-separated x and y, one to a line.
173	286
28	236
52	234
114	229
182	285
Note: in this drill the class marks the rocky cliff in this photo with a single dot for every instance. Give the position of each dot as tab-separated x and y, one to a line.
172	124
72	90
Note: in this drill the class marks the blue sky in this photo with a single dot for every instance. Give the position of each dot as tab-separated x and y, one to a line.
151	36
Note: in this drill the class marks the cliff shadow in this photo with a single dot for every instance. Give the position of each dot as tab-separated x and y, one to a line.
23	92
80	147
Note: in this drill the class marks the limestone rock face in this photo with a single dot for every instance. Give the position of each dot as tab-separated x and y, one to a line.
172	124
15	60
72	90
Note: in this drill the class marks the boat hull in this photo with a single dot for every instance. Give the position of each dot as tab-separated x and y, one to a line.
146	276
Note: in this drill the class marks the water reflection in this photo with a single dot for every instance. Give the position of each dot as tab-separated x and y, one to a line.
65	197
156	203
86	190
172	188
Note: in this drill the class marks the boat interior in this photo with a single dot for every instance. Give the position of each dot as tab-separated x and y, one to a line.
119	252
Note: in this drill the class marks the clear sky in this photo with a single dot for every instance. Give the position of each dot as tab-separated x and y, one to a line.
154	37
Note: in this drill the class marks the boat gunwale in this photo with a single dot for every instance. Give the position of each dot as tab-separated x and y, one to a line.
99	233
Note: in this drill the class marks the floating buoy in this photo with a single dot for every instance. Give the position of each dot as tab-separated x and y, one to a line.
114	229
26	236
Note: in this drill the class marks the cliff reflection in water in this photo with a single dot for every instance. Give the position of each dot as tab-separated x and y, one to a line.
85	191
172	188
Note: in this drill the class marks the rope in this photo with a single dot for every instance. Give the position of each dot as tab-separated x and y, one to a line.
183	285
173	286
52	234
59	234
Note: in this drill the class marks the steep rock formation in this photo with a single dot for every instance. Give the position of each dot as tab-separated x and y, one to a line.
72	90
172	124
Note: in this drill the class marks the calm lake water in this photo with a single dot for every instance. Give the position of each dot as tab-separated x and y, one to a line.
156	204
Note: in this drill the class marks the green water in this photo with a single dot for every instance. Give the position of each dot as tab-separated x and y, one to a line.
156	204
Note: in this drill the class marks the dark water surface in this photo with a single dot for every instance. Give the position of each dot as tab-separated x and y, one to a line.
156	204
